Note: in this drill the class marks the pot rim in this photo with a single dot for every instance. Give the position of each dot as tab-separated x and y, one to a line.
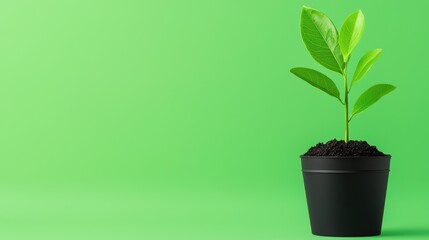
348	157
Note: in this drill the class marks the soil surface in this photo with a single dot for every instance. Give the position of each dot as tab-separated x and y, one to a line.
341	148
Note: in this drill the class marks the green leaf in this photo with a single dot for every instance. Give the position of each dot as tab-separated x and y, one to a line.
371	96
321	39
350	33
365	64
318	80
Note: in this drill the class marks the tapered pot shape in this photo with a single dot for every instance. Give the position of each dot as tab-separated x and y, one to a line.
346	195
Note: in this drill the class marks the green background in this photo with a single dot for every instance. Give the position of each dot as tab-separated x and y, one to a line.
180	120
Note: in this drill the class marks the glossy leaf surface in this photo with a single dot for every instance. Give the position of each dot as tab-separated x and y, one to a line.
371	96
317	80
365	64
351	33
321	39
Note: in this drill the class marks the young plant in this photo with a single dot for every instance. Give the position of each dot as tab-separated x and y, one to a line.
333	51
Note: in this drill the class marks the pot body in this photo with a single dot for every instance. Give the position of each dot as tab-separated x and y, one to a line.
346	195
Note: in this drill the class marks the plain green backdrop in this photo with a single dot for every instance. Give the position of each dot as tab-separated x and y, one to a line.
170	119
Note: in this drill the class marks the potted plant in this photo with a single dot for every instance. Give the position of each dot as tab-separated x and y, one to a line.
345	181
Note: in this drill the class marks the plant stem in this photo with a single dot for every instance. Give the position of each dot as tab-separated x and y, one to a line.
346	106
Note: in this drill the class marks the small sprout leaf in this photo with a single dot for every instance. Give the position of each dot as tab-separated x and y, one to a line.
371	96
317	80
351	33
365	64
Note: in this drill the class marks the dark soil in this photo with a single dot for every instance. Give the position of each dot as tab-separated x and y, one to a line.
341	148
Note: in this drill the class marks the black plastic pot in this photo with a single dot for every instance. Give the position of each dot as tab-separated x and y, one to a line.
345	195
